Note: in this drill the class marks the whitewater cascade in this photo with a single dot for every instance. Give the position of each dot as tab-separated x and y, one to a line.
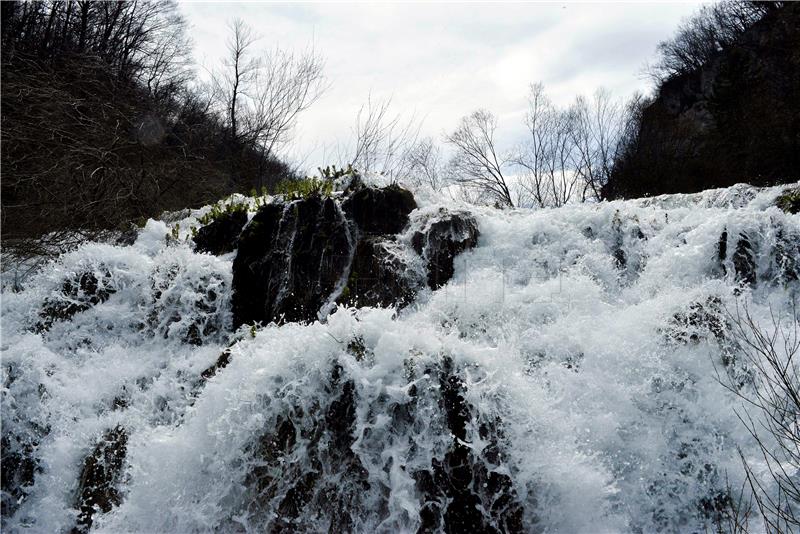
565	379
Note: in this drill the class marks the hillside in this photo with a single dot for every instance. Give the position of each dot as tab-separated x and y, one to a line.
735	119
420	368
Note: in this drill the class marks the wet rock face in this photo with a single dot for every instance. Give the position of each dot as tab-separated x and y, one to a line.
100	478
460	493
789	200
296	257
743	261
314	468
220	235
77	295
441	240
20	462
700	321
376	276
380	211
290	258
20	467
302	491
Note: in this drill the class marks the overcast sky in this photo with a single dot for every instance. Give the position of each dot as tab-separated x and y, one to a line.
439	62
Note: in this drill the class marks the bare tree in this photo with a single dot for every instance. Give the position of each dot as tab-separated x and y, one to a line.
383	141
425	164
476	163
701	37
532	155
597	130
263	93
771	412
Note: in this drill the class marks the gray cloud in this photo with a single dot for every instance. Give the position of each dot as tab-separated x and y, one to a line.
442	61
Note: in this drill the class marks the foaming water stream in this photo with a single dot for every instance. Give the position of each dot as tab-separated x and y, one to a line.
564	380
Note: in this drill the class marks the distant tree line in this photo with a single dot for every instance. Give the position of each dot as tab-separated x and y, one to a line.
104	121
726	109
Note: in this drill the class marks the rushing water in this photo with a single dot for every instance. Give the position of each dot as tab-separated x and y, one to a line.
565	380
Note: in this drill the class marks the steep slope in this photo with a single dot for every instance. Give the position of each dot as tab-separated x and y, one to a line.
563	380
736	119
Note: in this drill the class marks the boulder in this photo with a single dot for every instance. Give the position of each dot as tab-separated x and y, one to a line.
98	488
461	492
441	238
380	210
290	258
743	261
220	235
378	276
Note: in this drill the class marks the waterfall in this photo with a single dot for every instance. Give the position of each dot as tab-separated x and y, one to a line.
565	379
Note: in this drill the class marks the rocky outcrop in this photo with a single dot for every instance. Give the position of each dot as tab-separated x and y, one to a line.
313	464
220	235
100	478
291	257
743	261
20	465
460	492
378	276
78	294
315	444
380	211
297	257
441	238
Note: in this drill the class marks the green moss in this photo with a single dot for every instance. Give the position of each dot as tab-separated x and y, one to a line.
300	189
345	294
789	201
221	209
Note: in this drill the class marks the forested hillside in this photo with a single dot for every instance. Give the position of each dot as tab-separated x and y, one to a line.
103	123
726	109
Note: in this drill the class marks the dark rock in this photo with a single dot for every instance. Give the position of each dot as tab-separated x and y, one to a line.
220	235
377	277
221	363
722	251
380	211
100	477
441	240
460	494
19	468
789	201
701	321
743	261
77	295
330	482
786	257
290	258
620	259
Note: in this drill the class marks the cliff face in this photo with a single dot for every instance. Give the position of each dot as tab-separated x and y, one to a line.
737	119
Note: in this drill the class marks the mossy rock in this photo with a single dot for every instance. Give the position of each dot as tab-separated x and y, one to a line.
221	235
789	201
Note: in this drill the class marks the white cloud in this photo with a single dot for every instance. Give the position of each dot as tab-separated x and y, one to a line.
442	61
